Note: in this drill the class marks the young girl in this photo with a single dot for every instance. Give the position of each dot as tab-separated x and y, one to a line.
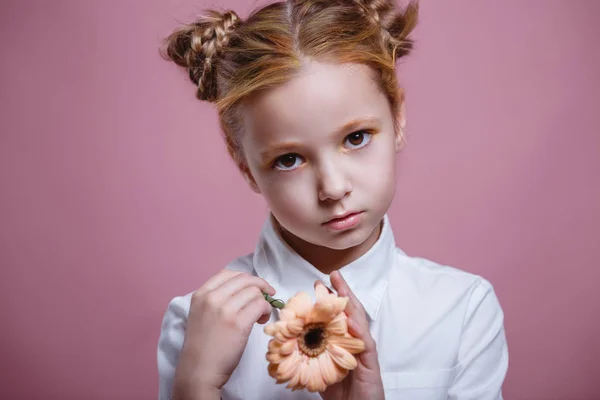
313	117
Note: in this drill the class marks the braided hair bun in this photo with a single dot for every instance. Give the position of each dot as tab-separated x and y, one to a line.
197	47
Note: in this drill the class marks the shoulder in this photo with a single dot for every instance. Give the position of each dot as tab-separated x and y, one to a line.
432	274
440	283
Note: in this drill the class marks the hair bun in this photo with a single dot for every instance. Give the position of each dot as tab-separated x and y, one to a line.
396	26
197	47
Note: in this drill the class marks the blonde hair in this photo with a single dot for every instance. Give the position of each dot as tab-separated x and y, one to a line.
229	60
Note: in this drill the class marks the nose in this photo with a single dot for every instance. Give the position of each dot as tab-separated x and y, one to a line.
333	183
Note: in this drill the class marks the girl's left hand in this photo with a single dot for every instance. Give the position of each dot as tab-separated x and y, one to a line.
364	382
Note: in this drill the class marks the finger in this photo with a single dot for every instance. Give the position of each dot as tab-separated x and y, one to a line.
256	311
264	319
369	356
242	298
357	330
340	285
217	280
238	283
355	310
358	325
320	282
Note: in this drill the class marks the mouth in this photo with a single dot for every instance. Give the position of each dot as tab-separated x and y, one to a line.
344	221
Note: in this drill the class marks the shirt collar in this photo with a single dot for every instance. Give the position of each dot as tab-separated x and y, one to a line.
276	262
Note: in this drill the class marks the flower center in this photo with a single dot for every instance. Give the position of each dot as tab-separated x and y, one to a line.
312	340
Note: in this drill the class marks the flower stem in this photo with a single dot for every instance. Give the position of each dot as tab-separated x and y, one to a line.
274	302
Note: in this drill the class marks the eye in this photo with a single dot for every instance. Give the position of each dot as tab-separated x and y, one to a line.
287	162
358	139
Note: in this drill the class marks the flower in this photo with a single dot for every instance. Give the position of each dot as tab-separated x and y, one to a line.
311	346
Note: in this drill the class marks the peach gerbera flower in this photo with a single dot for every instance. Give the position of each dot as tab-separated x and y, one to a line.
312	347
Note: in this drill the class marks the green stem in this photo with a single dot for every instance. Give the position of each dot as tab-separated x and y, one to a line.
274	302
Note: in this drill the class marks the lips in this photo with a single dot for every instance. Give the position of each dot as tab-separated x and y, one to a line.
344	221
341	216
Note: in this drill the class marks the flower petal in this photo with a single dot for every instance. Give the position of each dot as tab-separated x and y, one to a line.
305	372
288	367
322	312
341	356
352	344
328	368
270	329
287	314
274	346
321	291
300	304
289	346
315	380
280	338
295	380
272	370
338	325
295	326
341	373
340	304
283	329
274	358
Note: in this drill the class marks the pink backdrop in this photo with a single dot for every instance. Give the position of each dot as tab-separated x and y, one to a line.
117	193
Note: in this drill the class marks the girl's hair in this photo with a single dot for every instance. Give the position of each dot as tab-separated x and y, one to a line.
229	60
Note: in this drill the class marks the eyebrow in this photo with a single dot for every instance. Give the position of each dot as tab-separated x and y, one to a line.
347	127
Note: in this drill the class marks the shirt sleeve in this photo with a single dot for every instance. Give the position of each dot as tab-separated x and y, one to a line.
483	352
170	343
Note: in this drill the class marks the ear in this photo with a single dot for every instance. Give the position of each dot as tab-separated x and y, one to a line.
245	170
401	118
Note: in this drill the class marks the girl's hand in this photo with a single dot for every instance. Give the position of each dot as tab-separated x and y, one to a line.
364	382
222	314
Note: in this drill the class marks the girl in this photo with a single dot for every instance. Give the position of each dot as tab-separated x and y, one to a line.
313	117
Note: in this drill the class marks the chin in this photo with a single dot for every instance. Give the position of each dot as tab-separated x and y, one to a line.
347	239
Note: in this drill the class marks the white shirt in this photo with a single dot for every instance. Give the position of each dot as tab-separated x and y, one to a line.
439	330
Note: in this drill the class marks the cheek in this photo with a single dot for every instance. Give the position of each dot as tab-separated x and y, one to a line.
378	166
288	194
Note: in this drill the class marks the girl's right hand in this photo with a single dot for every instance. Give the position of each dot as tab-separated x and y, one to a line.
222	314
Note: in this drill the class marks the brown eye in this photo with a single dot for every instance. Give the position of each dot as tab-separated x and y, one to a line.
358	139
287	162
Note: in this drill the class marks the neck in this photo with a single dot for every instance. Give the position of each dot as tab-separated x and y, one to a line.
324	258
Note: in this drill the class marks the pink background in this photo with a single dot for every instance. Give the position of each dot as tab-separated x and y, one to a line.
117	193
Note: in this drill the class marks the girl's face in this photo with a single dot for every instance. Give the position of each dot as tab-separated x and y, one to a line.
322	146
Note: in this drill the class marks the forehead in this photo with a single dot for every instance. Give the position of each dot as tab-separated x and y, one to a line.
313	104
